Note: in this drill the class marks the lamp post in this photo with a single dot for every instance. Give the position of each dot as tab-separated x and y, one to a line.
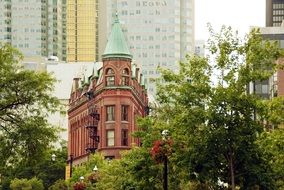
95	169
93	178
165	135
81	178
165	173
53	157
71	163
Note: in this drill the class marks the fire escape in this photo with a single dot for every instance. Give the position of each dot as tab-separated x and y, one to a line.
92	126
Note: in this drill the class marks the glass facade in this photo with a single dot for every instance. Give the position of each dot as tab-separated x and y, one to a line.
82	33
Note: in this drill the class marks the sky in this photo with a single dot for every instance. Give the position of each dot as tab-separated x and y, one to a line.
239	14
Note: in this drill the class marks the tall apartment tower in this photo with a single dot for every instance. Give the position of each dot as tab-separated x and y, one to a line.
159	32
274	12
103	106
82	31
35	27
56	28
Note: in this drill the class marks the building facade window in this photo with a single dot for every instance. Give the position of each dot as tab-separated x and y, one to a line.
124	137
110	113
110	79
125	77
124	112
110	138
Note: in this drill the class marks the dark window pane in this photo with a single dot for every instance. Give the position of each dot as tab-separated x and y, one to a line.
124	137
110	113
110	72
110	81
125	81
124	113
125	72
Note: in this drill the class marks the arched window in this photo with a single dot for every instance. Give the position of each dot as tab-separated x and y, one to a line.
125	77
110	79
110	72
125	72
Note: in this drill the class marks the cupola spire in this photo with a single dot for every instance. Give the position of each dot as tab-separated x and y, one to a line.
116	46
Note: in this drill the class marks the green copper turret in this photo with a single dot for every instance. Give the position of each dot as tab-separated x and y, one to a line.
116	46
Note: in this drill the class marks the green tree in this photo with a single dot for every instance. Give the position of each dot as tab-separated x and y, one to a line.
215	123
272	145
59	185
50	170
25	101
135	170
87	168
214	127
47	170
18	184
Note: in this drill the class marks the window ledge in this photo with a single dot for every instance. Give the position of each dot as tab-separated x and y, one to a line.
110	122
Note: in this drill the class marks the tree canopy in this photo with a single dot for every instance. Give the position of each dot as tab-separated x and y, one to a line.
25	101
214	119
217	127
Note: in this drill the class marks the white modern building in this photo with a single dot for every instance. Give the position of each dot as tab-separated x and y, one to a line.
159	32
35	27
199	48
63	88
64	73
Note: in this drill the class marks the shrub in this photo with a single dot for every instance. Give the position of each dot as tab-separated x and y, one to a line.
25	184
59	185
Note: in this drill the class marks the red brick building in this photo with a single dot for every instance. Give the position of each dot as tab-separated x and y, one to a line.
103	107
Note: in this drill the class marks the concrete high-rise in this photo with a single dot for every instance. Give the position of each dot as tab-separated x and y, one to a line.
56	28
35	27
274	12
82	30
159	32
200	48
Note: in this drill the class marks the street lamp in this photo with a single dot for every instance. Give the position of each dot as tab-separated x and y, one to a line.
95	168
53	157
81	178
165	135
71	163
